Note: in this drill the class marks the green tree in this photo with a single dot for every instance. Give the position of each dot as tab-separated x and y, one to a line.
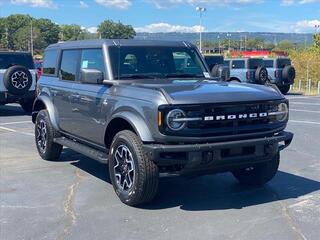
3	40
112	30
255	43
70	32
285	45
316	40
48	31
17	25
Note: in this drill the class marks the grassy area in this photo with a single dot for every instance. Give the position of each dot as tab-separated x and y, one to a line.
304	89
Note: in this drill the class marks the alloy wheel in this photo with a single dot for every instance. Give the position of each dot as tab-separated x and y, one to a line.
19	79
42	135
124	168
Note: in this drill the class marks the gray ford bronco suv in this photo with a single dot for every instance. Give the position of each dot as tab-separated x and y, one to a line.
136	106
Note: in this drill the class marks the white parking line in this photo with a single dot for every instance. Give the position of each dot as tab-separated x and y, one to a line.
12	130
305	103
300	110
304	97
10	123
304	122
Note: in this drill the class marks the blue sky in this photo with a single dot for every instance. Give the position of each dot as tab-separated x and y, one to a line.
177	15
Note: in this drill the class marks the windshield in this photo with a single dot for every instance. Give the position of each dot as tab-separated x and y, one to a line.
155	62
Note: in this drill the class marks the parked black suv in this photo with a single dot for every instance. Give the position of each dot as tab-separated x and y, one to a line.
137	106
17	79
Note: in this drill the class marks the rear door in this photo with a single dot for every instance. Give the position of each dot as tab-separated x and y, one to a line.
88	100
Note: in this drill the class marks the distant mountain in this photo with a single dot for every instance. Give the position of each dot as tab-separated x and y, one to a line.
298	38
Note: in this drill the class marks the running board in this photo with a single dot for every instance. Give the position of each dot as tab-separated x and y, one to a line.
83	149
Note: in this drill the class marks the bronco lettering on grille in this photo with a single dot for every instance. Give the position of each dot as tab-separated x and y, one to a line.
236	116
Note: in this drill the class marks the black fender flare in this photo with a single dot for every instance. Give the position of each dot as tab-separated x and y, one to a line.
137	123
44	100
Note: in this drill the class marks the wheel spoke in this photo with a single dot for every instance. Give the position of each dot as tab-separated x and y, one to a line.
124	168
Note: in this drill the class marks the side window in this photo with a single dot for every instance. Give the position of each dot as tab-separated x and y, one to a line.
92	59
49	62
69	63
236	64
226	63
184	63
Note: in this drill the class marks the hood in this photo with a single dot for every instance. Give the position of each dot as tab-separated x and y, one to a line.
189	92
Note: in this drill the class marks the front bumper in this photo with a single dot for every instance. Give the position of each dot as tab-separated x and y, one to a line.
220	156
6	97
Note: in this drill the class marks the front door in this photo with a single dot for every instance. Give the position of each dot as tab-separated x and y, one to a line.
89	100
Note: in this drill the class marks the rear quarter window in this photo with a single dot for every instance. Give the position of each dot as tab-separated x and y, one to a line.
281	63
236	64
8	60
50	62
255	63
268	63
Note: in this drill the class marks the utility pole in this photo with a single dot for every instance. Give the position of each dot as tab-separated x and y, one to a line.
200	10
31	39
7	38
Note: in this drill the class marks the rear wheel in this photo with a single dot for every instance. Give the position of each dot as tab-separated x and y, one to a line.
134	177
44	135
259	174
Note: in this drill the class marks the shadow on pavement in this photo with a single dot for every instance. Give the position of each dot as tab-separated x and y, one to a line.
212	192
12	110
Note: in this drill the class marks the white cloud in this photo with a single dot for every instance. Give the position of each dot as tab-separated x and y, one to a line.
120	4
166	27
306	25
83	4
92	29
169	3
35	3
291	2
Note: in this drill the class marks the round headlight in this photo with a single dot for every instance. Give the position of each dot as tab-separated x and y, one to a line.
281	112
173	119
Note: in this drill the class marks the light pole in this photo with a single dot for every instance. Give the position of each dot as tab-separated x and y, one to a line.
229	36
31	39
219	44
200	10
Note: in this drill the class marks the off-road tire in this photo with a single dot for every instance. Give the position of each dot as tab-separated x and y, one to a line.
259	174
288	73
261	75
146	175
26	105
284	89
52	150
17	79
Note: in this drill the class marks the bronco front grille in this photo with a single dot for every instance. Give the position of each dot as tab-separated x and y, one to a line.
209	126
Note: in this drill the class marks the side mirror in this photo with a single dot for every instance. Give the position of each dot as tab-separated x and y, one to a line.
91	76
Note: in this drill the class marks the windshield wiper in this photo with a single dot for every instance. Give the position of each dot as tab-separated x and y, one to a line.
182	75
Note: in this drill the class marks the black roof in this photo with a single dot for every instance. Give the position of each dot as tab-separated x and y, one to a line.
117	42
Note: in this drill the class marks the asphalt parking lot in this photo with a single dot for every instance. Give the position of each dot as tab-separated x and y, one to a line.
73	198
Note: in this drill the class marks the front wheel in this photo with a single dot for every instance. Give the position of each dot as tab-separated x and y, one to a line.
133	175
44	135
259	174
